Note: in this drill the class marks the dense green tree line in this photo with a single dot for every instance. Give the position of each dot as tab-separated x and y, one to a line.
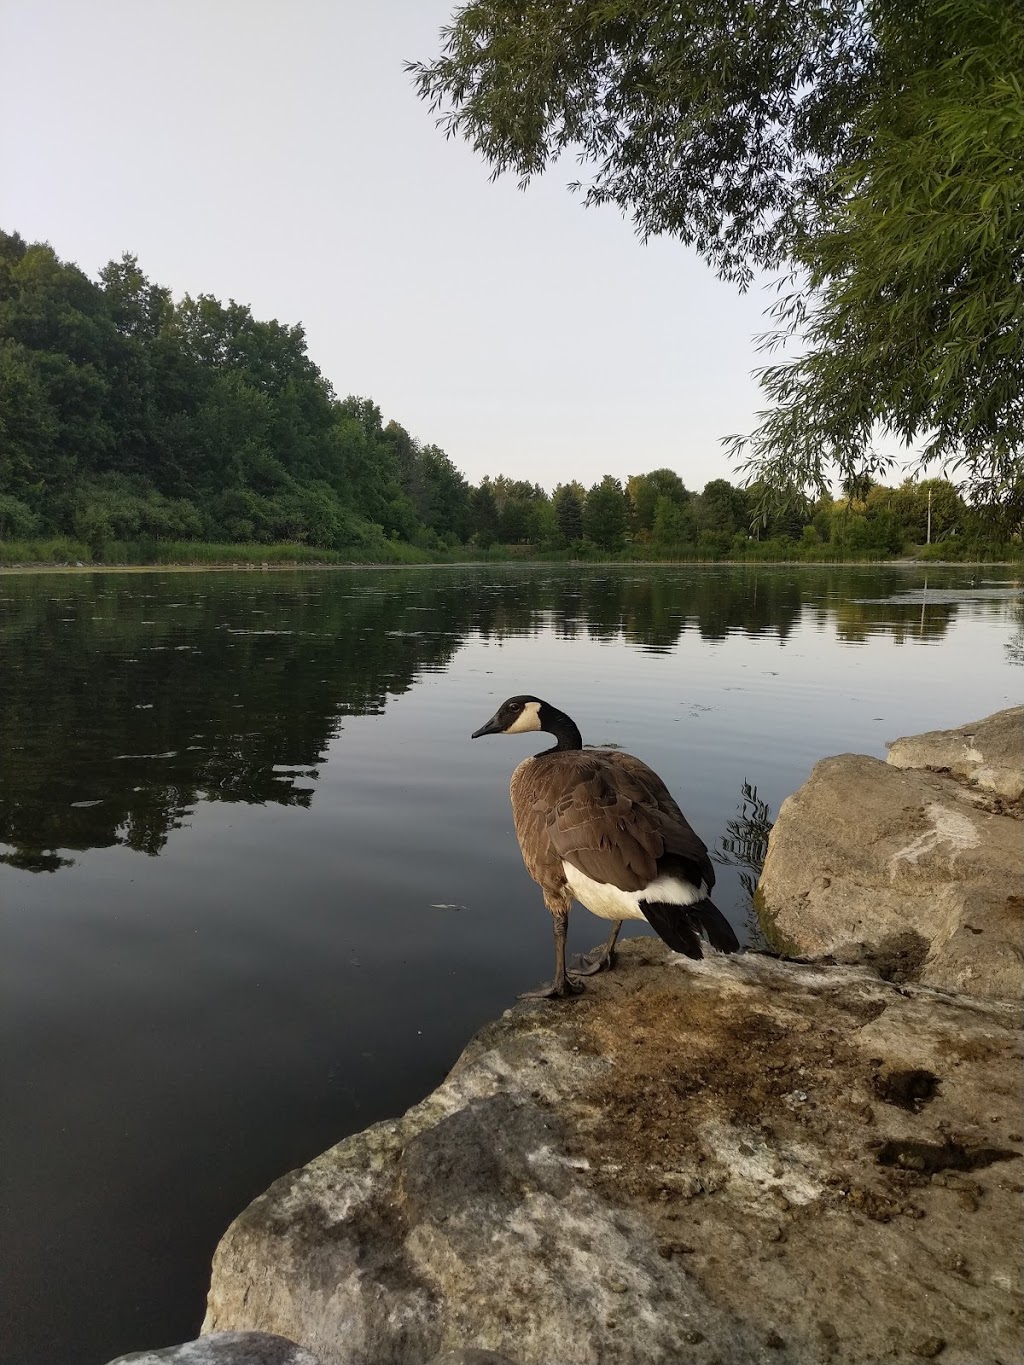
654	513
128	417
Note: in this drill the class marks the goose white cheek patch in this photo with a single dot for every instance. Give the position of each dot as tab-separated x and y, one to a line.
529	720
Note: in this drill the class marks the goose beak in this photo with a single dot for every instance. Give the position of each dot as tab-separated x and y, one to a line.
493	727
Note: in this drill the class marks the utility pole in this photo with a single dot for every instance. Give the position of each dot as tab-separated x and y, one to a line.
928	539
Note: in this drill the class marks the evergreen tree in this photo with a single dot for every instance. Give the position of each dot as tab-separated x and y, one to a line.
568	504
483	514
604	514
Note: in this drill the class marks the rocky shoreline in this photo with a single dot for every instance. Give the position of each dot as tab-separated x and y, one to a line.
748	1159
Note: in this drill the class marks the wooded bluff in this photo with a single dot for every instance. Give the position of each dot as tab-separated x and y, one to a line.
129	419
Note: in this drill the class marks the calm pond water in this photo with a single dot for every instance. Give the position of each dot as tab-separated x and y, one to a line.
257	887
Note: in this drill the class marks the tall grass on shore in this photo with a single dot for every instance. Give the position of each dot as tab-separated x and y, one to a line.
62	551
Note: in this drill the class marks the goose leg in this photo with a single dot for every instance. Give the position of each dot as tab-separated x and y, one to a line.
601	959
563	984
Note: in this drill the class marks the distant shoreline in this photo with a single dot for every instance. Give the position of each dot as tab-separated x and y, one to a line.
292	566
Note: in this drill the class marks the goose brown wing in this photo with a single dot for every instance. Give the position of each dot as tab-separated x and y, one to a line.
681	840
638	770
620	827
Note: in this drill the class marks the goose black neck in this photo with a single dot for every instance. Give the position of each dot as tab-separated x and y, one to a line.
565	731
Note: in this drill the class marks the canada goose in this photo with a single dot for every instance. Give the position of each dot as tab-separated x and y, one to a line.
598	826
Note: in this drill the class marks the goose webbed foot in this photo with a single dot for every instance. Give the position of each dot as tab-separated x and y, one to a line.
589	964
600	959
559	989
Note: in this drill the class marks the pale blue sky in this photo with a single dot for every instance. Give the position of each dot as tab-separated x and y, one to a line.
275	153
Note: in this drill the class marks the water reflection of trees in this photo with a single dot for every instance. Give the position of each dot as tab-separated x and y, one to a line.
124	700
1015	644
745	841
856	622
744	845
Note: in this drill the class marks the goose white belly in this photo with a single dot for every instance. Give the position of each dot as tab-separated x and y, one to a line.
609	902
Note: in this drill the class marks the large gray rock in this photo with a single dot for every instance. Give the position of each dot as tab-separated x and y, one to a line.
913	872
741	1160
988	753
225	1348
262	1348
471	1356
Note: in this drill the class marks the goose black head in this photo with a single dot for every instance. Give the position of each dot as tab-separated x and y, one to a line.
514	717
520	715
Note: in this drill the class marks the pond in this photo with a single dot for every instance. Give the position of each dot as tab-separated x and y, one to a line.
258	888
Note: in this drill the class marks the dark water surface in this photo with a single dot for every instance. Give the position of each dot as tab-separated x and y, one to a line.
257	887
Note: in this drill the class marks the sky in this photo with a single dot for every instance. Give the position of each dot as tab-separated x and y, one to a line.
275	152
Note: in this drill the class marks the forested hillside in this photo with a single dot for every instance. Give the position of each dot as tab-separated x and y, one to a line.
128	419
126	414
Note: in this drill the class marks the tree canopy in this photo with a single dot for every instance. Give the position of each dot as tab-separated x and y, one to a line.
914	321
712	120
871	150
127	415
128	418
604	514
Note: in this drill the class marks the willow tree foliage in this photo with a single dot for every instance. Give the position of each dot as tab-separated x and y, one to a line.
911	305
872	151
713	120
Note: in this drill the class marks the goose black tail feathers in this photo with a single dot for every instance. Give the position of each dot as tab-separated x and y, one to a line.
681	926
